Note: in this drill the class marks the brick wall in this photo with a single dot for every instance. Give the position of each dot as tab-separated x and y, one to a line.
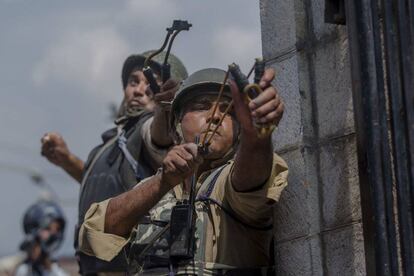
318	226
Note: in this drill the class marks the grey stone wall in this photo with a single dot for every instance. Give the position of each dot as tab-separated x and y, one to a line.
318	228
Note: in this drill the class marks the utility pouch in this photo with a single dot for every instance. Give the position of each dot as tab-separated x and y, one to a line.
182	231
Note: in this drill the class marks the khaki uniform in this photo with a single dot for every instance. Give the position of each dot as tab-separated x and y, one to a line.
222	242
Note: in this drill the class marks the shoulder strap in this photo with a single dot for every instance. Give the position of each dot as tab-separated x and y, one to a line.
208	185
135	166
130	142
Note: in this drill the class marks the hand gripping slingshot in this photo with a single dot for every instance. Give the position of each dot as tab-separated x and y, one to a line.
250	91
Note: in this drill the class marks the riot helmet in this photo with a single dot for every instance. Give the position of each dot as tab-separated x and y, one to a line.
37	218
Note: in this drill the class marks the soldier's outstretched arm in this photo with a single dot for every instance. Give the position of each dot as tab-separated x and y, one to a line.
253	161
55	150
125	210
160	134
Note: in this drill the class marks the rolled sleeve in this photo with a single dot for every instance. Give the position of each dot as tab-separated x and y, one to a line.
256	206
93	240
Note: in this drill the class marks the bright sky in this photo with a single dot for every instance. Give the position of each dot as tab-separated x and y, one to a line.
60	70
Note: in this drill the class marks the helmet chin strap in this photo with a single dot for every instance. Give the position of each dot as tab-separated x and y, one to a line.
232	150
178	135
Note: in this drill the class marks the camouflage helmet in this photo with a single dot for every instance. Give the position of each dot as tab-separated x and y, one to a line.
203	82
41	214
133	62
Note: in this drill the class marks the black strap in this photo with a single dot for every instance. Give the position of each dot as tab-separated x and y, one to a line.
211	184
205	197
233	215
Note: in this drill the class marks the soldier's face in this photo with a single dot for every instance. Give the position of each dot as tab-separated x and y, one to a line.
136	93
53	228
196	118
44	234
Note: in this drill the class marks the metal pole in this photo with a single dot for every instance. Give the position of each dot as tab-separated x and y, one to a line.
405	34
400	150
385	143
368	128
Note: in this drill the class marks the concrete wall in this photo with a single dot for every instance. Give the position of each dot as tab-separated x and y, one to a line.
318	228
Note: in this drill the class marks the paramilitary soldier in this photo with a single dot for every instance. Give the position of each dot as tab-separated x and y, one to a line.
130	152
43	225
237	185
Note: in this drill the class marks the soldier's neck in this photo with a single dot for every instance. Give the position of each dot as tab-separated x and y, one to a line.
205	166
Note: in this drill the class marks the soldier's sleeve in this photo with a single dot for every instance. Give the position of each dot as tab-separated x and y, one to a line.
155	153
93	240
255	207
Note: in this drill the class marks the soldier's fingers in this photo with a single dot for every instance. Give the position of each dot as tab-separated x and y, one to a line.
49	143
45	138
183	150
239	103
274	116
181	165
170	84
46	147
268	77
266	96
191	148
266	108
165	96
190	154
185	155
54	135
54	138
49	154
169	88
168	165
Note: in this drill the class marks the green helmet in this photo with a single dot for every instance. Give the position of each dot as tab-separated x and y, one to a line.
178	70
204	82
133	62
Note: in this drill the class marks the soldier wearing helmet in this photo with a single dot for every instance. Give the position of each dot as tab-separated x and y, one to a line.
44	226
238	181
130	152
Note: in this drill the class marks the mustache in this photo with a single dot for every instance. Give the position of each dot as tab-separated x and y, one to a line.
211	129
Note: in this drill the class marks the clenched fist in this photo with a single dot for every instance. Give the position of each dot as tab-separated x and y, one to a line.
54	148
168	90
180	163
266	109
